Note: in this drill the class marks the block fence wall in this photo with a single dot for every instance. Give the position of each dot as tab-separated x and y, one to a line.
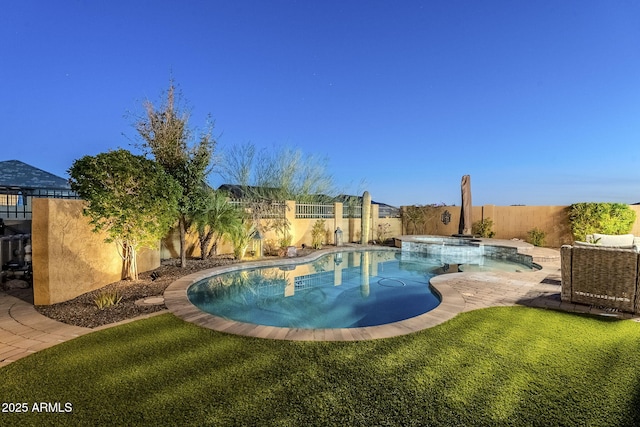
511	222
300	231
69	259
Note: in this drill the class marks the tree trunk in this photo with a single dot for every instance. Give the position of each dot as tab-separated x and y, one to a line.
129	263
214	250
205	241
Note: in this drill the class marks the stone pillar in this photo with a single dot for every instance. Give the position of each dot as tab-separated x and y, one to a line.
337	218
365	220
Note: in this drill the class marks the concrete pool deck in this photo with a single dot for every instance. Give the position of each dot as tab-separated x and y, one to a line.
24	331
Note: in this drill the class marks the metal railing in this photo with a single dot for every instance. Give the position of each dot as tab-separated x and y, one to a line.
16	204
313	210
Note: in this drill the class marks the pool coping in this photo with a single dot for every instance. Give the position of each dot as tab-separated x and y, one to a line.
178	303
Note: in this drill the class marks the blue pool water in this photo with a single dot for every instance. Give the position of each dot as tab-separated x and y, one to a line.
340	290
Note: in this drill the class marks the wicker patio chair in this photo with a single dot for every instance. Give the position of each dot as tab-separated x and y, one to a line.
600	276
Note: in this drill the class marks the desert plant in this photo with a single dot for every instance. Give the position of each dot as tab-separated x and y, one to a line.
167	137
536	237
282	227
383	233
107	299
318	234
270	248
483	228
240	236
281	173
605	218
419	219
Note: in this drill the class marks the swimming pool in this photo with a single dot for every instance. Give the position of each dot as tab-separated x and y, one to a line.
350	289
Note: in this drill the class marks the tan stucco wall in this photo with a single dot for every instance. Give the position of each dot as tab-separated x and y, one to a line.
69	259
516	221
300	232
509	222
636	227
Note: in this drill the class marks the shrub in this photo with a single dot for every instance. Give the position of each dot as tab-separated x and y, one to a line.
383	233
604	218
282	228
536	236
483	228
317	234
286	241
107	299
241	236
270	248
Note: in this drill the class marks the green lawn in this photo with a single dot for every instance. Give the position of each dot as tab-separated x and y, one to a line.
500	366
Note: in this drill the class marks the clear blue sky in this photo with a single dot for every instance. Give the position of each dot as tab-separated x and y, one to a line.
539	101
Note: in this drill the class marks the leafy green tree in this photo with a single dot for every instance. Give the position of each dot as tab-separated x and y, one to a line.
217	218
130	198
167	138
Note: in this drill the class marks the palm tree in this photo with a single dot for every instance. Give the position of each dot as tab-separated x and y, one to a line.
241	236
216	219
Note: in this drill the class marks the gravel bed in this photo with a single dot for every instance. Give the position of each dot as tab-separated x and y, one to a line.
82	310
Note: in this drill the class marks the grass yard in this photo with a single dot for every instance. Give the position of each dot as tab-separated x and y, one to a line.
499	366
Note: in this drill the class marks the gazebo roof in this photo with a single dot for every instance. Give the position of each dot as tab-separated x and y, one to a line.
19	175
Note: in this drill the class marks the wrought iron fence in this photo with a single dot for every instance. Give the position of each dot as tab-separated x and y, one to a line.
16	204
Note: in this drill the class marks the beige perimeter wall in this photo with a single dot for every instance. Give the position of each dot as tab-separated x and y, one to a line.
511	222
69	259
300	232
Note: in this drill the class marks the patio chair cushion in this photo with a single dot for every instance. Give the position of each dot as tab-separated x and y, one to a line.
623	241
598	245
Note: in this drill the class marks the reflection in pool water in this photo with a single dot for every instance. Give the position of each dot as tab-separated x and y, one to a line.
340	290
